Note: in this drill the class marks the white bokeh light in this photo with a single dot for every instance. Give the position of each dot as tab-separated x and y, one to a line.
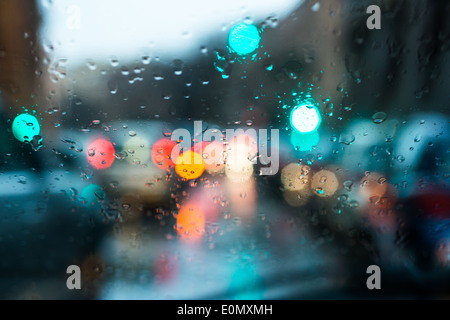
305	118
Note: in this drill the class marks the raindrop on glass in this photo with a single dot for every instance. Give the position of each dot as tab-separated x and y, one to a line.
379	117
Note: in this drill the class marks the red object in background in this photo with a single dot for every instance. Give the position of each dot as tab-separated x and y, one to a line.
100	154
161	153
434	204
165	268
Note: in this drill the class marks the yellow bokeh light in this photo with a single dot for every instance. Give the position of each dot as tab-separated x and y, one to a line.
239	172
324	183
241	153
295	177
189	165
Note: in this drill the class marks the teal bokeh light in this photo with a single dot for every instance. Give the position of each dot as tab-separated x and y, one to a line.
246	284
244	38
305	118
25	127
305	141
92	195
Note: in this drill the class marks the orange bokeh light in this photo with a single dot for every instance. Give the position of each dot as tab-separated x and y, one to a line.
191	222
100	154
190	165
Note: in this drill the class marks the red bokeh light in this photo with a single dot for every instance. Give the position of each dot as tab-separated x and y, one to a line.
161	153
100	154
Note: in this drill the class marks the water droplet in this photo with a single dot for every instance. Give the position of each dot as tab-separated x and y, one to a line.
364	183
22	179
126	206
177	67
114	184
114	62
113	86
36	143
292	69
379	117
193	183
91	65
353	204
166	132
77	101
167	95
87	173
348	185
91	152
78	147
329	109
341	87
382	180
346	138
272	22
125	71
319	190
111	213
121	155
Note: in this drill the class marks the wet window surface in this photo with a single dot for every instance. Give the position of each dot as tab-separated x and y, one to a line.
237	150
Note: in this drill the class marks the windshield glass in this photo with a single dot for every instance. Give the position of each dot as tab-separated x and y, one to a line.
224	150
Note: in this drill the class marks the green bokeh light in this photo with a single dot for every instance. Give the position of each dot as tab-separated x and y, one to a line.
25	127
305	141
246	284
305	118
92	195
244	38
